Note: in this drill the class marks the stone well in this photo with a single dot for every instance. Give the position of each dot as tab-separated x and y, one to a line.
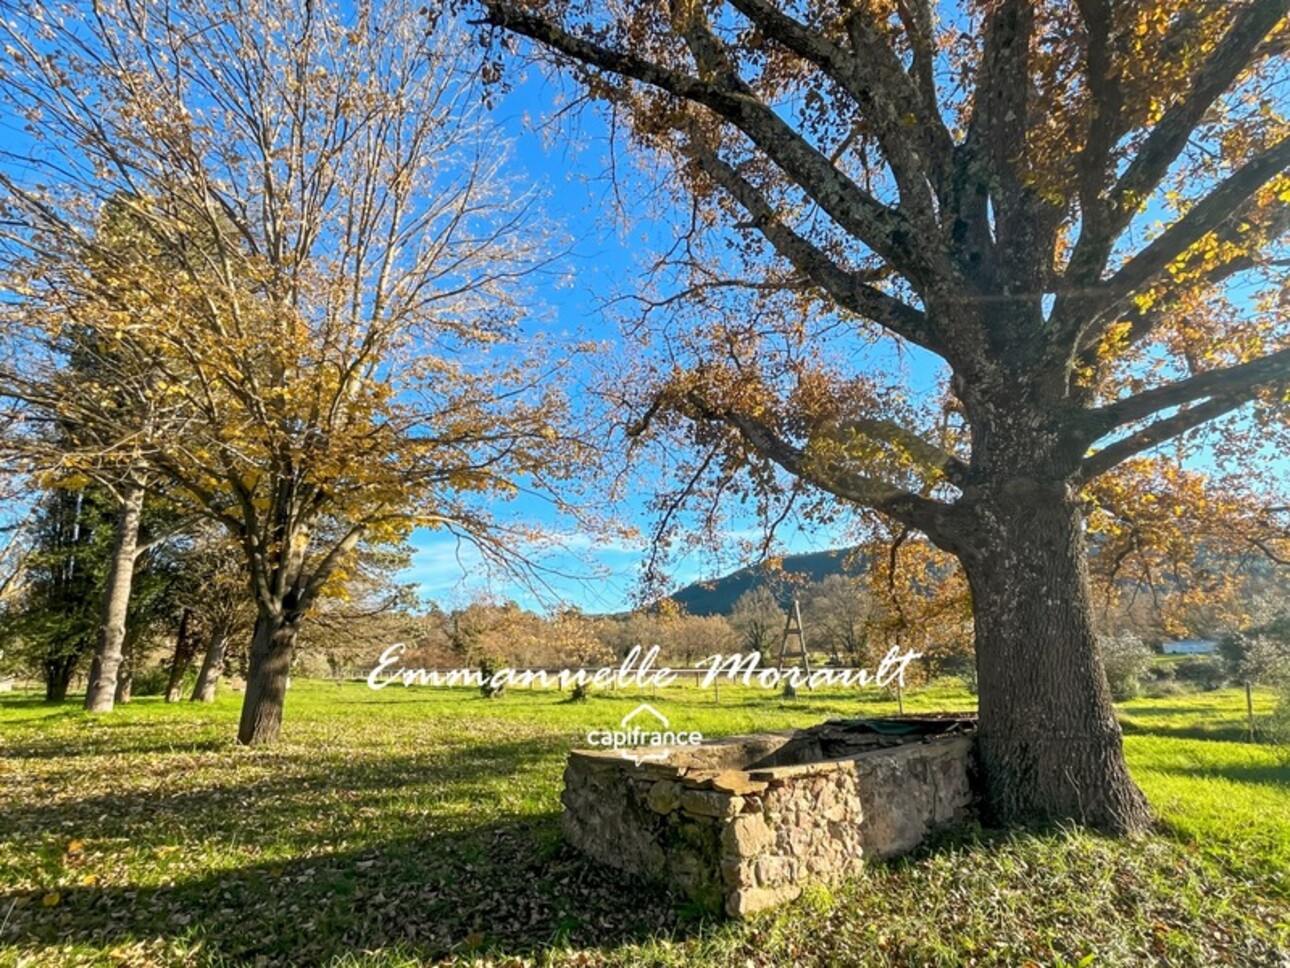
745	822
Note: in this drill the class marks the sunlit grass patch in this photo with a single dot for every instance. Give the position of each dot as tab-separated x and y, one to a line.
406	826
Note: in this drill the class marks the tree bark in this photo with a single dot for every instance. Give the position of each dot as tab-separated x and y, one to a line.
182	658
1049	742
100	694
266	680
124	688
125	675
212	666
58	677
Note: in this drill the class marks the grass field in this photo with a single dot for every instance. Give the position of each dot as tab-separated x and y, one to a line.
409	826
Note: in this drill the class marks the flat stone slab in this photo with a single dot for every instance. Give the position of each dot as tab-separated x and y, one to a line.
744	823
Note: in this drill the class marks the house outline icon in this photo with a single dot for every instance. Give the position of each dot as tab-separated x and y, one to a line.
644	708
636	756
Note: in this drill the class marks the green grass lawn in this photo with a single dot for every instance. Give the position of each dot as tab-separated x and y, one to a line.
409	826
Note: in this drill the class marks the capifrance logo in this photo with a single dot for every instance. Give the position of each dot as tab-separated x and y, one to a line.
639	737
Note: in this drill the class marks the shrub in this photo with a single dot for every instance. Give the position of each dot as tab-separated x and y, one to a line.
1161	673
151	680
1126	659
487	689
963	668
1163	688
1207	674
1257	656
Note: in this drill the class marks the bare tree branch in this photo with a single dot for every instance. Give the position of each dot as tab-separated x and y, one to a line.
927	515
1081	316
1237	383
1142	322
884	229
1168	138
874	77
847	287
1157	433
1104	123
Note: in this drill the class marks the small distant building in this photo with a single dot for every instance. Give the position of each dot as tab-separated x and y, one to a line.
1190	647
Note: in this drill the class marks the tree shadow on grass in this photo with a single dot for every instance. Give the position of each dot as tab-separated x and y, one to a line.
1230	731
511	887
44	749
449	848
71	714
49	710
262	792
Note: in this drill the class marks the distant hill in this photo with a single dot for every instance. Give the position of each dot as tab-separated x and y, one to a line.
718	596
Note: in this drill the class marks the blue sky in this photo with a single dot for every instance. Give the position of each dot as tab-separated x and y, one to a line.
604	260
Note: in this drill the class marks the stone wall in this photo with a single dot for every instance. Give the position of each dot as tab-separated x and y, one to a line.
745	839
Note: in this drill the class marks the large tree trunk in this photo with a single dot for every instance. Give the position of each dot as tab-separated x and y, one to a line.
212	666
1049	741
182	658
266	680
101	692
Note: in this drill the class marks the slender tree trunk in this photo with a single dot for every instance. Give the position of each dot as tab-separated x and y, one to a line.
212	666
182	658
1049	742
125	675
266	680
124	688
125	681
101	691
58	678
